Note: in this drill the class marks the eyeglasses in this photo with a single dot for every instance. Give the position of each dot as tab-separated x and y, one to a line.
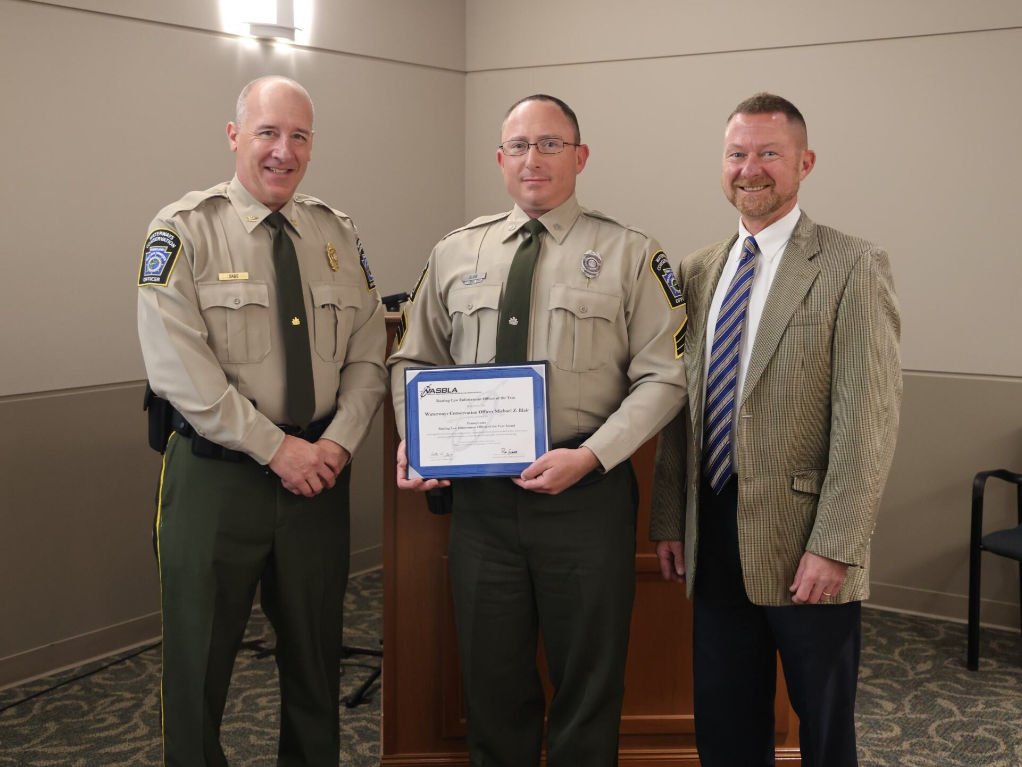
517	147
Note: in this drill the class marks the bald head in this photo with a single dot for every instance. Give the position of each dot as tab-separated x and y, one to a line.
243	107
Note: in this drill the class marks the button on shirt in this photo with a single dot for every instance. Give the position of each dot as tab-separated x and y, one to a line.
772	242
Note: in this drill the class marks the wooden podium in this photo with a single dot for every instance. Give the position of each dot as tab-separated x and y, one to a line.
423	720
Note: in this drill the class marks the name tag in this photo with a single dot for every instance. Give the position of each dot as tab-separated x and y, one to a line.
224	276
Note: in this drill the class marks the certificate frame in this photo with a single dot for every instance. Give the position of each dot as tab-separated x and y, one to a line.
439	385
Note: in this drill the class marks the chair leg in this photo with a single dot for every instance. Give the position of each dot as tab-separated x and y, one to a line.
1020	596
972	654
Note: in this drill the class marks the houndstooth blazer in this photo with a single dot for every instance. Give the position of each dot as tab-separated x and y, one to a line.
818	419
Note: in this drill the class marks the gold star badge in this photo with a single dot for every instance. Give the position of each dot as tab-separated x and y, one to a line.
331	256
295	321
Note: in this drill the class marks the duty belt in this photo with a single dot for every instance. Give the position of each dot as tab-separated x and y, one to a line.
208	449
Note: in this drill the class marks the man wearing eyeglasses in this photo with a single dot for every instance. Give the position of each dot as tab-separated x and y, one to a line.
552	550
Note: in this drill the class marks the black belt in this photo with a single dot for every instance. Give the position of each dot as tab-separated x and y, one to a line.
205	448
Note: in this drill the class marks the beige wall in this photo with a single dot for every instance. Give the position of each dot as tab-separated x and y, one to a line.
912	110
106	119
114	109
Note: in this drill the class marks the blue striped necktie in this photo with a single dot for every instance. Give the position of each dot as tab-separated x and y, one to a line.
722	374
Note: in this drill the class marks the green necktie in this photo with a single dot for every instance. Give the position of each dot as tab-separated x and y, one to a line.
513	325
301	392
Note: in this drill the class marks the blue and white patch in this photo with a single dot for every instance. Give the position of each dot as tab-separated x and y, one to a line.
158	257
370	282
668	281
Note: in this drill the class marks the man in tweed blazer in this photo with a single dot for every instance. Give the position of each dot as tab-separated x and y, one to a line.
778	558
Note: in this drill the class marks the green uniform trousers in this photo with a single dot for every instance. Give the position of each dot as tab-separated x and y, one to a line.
221	529
564	565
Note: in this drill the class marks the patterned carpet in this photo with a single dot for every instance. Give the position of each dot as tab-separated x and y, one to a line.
918	706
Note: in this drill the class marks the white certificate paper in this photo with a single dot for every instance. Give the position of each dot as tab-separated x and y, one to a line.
475	420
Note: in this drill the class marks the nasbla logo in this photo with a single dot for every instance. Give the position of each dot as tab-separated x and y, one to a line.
438	390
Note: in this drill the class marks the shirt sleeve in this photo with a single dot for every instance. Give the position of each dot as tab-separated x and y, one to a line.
423	337
363	376
180	365
656	323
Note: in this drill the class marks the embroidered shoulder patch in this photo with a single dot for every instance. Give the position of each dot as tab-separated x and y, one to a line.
679	339
665	276
158	257
370	282
418	284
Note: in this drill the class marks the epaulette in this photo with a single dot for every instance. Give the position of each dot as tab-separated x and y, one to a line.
604	217
308	199
193	200
477	222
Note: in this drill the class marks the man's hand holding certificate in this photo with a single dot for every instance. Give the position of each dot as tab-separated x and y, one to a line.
473	421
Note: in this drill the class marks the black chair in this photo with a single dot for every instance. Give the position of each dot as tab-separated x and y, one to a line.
1006	543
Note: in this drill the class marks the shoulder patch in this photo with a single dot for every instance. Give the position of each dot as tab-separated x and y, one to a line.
402	329
370	282
679	339
664	274
158	257
477	222
418	284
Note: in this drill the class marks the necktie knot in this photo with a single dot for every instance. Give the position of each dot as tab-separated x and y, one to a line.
276	220
750	249
533	226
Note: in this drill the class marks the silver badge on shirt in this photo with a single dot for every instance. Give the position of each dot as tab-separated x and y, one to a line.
591	263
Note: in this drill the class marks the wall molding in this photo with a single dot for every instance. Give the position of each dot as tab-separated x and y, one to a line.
76	651
941	605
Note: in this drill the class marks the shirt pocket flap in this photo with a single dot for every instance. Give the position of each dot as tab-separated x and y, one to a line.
808	481
335	294
470	300
233	295
584	303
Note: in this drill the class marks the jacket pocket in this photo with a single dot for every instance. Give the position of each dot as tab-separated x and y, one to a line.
474	311
237	316
333	309
581	324
808	481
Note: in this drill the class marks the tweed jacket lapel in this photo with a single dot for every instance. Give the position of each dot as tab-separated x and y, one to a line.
795	275
699	287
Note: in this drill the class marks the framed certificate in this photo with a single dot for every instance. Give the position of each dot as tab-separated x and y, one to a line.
475	420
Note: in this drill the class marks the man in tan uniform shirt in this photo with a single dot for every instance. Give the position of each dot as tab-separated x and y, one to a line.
248	496
553	549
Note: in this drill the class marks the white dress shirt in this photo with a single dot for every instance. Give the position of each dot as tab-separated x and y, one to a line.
771	242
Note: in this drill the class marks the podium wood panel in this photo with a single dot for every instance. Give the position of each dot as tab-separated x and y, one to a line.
423	714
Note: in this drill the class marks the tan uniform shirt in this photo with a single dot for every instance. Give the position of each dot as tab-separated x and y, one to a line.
209	326
614	340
